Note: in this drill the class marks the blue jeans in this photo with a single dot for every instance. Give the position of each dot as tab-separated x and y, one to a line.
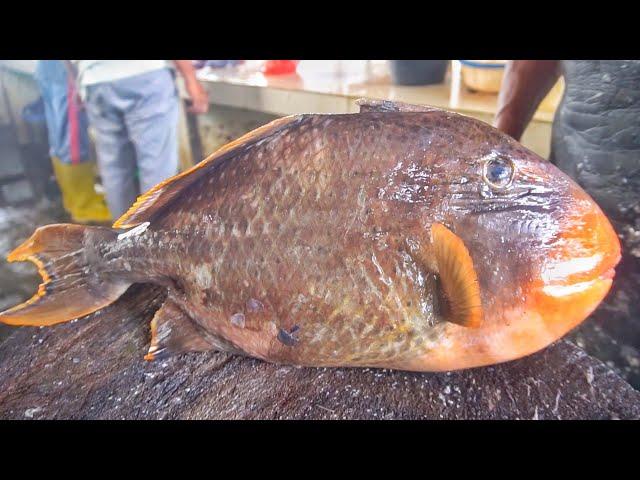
136	125
52	78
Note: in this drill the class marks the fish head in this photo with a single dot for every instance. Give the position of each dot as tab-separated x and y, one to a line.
543	253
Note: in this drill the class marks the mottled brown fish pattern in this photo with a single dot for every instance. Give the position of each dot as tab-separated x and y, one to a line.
311	243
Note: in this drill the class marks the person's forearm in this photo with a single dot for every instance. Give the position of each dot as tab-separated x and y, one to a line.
198	95
186	70
525	84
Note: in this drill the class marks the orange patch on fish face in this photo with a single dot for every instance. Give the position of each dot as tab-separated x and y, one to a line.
574	277
580	268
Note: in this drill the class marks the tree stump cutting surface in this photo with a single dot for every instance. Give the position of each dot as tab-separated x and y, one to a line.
93	368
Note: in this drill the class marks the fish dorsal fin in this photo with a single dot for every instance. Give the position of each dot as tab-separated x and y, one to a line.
160	195
458	278
373	105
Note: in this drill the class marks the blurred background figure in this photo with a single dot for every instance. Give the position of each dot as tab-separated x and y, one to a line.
69	144
596	140
133	109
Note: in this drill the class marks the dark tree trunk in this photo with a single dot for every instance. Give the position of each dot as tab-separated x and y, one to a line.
93	368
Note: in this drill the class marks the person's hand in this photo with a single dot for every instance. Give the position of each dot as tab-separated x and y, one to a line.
199	97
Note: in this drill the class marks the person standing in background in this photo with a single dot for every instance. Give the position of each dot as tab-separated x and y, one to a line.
69	144
133	109
596	140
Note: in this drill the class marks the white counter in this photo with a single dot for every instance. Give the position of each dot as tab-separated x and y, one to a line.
334	87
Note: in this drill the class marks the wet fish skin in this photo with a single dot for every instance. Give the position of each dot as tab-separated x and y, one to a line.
319	224
313	246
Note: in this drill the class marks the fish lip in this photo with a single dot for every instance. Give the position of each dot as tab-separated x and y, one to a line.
609	274
607	268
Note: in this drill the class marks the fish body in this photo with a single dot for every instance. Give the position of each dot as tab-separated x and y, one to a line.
399	237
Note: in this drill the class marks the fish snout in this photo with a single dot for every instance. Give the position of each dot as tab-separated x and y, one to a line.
580	268
587	247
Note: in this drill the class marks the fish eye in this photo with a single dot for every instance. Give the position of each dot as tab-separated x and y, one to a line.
498	172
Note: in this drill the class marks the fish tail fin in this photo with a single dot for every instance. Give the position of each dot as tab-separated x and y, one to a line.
65	255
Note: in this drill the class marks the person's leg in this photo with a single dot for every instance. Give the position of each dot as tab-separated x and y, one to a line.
116	159
75	180
152	122
79	197
89	205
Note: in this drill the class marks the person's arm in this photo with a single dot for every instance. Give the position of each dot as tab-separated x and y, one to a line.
199	97
525	84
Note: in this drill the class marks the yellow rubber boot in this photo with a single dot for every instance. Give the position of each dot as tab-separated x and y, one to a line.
79	196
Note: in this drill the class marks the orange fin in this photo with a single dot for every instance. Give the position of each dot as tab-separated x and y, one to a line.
174	332
458	278
67	291
161	195
373	105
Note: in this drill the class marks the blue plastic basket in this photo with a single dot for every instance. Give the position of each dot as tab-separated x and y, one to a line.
471	63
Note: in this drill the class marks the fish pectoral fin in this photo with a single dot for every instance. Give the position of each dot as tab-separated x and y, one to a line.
173	332
460	290
373	105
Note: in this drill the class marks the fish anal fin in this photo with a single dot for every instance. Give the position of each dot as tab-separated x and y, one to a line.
159	196
174	332
374	105
458	278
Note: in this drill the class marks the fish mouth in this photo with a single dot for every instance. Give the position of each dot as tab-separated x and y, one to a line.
609	274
